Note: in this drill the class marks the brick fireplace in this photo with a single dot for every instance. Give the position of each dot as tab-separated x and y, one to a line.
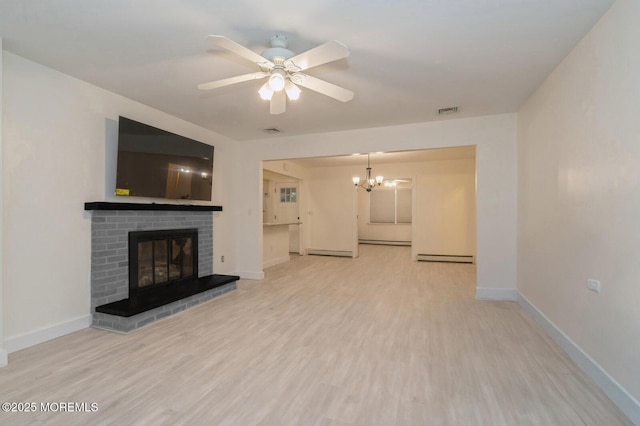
113	305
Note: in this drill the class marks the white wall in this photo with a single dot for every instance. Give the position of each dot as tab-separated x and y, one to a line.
496	180
331	210
59	151
579	196
445	203
3	352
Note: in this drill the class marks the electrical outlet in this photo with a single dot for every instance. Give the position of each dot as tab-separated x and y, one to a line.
594	285
222	259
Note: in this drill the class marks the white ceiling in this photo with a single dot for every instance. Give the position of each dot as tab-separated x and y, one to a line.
408	57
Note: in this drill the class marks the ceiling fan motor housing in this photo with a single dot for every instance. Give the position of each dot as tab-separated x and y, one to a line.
278	49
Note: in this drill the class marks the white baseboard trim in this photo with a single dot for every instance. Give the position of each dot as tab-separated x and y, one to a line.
250	275
499	294
4	358
42	335
277	261
616	393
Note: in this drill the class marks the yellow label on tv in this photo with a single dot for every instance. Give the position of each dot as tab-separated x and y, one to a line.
121	191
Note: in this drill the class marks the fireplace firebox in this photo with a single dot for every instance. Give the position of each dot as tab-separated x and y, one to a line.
161	258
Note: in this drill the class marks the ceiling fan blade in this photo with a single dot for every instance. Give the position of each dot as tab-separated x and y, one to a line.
278	103
240	50
232	80
324	87
328	52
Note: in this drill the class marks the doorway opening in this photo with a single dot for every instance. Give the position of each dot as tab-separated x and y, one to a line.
385	213
281	231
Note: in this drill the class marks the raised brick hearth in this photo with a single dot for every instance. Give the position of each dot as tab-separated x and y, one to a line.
110	266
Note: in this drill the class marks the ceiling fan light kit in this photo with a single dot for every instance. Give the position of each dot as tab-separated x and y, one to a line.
283	67
293	91
265	92
277	79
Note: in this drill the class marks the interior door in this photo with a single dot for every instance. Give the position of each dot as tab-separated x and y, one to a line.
288	211
287	206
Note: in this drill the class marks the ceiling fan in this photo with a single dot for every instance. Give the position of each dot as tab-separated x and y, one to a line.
284	70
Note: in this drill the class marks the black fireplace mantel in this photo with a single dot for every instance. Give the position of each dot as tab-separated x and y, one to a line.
106	205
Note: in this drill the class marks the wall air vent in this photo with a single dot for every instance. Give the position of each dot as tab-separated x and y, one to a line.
273	130
448	110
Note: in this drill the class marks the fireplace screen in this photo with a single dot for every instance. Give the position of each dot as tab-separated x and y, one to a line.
162	257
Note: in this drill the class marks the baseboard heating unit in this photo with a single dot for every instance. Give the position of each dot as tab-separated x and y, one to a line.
385	242
339	253
445	258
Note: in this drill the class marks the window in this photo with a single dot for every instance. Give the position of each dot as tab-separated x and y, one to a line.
288	195
391	205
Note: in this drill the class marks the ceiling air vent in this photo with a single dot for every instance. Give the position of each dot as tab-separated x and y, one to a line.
273	130
448	110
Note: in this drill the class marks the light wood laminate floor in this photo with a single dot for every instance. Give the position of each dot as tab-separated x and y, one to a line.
378	340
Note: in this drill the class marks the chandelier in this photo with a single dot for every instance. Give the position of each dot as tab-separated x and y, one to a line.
369	181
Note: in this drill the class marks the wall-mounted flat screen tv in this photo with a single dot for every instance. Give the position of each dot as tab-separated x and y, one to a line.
160	164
